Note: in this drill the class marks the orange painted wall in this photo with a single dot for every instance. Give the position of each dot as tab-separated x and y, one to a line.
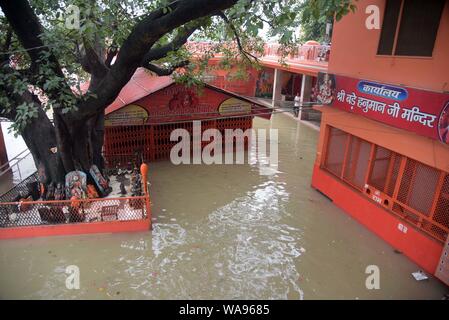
431	152
416	245
354	53
420	248
246	87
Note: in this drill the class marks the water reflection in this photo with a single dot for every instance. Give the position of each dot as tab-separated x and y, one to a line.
248	254
258	249
167	236
223	232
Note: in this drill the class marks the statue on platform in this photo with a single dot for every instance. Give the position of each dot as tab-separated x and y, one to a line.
50	195
100	181
136	183
92	192
42	177
138	158
106	176
121	175
59	192
75	185
122	189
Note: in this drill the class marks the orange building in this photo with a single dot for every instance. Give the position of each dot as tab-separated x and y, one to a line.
383	153
280	77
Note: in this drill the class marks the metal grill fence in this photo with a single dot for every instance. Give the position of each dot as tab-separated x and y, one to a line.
408	188
22	187
32	213
16	212
154	140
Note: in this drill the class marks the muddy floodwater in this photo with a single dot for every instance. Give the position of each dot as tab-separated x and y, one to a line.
223	232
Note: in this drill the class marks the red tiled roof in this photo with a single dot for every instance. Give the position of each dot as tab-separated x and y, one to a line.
141	84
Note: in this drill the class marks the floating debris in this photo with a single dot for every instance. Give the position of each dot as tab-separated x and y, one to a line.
419	275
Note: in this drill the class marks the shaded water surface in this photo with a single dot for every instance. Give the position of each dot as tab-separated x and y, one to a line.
225	232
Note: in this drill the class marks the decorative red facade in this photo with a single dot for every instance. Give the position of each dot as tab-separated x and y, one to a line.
142	121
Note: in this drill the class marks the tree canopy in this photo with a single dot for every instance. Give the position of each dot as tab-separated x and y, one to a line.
49	47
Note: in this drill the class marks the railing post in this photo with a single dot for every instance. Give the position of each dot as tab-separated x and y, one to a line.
144	173
148	205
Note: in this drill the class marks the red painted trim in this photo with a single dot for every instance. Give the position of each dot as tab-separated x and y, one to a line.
75	228
420	248
306	68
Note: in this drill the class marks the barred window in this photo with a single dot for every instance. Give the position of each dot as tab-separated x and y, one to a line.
411	190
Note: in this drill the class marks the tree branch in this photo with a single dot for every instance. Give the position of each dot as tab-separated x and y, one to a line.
270	23
111	53
143	36
245	53
166	71
81	58
176	44
28	29
93	61
6	45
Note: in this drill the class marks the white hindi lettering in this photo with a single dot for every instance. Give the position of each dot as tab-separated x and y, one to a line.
368	104
350	98
341	96
393	110
381	91
415	115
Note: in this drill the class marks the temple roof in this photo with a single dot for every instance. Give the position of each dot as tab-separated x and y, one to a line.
144	83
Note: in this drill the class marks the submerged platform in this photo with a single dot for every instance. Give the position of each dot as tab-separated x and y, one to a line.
51	218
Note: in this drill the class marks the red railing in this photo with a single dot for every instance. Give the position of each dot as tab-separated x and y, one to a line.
302	53
25	217
273	51
36	213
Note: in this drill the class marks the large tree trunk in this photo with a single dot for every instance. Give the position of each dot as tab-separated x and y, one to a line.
40	138
96	139
80	143
64	146
78	135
